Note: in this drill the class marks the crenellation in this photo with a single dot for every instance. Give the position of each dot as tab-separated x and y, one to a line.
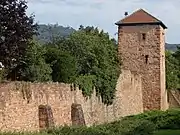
19	115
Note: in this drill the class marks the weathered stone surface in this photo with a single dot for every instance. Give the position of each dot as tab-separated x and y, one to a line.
20	101
77	115
46	119
146	57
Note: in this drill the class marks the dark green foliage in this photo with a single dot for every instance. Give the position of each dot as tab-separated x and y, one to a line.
144	127
62	63
33	67
16	28
129	127
163	120
86	83
172	71
96	55
78	131
167	132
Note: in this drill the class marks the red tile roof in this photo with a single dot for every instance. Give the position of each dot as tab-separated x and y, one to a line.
140	17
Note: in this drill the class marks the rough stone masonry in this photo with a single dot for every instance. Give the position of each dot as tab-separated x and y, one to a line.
141	39
26	106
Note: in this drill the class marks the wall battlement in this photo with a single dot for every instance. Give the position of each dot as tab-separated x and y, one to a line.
19	103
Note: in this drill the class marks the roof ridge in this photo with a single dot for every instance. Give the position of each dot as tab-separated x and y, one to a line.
151	15
140	16
141	9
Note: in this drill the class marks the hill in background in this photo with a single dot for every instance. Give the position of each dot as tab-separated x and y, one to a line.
48	33
172	47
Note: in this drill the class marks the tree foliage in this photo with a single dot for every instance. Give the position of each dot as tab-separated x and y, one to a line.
96	56
172	80
62	63
173	69
88	57
16	28
34	67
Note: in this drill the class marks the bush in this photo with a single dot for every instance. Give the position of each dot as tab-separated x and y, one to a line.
78	131
169	119
143	128
129	127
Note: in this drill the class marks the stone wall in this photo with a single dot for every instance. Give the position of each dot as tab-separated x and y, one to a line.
164	92
19	103
142	50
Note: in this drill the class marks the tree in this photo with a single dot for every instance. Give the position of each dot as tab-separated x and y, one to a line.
176	55
33	66
16	29
62	63
172	71
97	62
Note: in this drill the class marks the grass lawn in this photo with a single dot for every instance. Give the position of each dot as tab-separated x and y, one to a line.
168	132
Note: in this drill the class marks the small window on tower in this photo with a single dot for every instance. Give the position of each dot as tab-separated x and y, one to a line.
146	56
144	36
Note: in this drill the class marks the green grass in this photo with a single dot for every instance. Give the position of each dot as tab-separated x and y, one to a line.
168	132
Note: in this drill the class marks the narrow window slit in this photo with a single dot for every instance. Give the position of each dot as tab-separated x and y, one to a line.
144	36
146	56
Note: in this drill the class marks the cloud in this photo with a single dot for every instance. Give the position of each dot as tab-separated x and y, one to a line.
104	13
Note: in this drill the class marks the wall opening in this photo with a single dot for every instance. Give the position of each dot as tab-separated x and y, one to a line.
77	115
144	36
146	57
46	119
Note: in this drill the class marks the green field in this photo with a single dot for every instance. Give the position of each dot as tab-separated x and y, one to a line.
168	132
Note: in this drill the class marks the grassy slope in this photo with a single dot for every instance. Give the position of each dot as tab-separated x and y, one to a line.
168	132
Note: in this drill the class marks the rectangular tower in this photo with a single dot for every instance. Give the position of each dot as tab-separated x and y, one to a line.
141	39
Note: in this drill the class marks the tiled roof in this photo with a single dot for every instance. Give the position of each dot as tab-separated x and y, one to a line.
140	17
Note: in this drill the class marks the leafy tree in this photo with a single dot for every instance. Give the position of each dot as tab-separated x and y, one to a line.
177	56
16	28
96	56
34	67
172	71
62	63
86	83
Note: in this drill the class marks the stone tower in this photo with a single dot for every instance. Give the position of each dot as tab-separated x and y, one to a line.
141	46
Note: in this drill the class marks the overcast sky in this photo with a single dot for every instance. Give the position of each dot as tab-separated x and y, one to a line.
104	13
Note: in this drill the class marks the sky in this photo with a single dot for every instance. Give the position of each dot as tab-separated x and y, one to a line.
104	13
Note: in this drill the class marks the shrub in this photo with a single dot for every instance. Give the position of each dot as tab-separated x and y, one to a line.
143	128
78	131
129	127
169	119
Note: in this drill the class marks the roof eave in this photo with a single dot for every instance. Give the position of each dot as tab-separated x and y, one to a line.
150	23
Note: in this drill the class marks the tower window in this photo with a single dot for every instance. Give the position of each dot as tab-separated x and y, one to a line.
143	36
146	57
